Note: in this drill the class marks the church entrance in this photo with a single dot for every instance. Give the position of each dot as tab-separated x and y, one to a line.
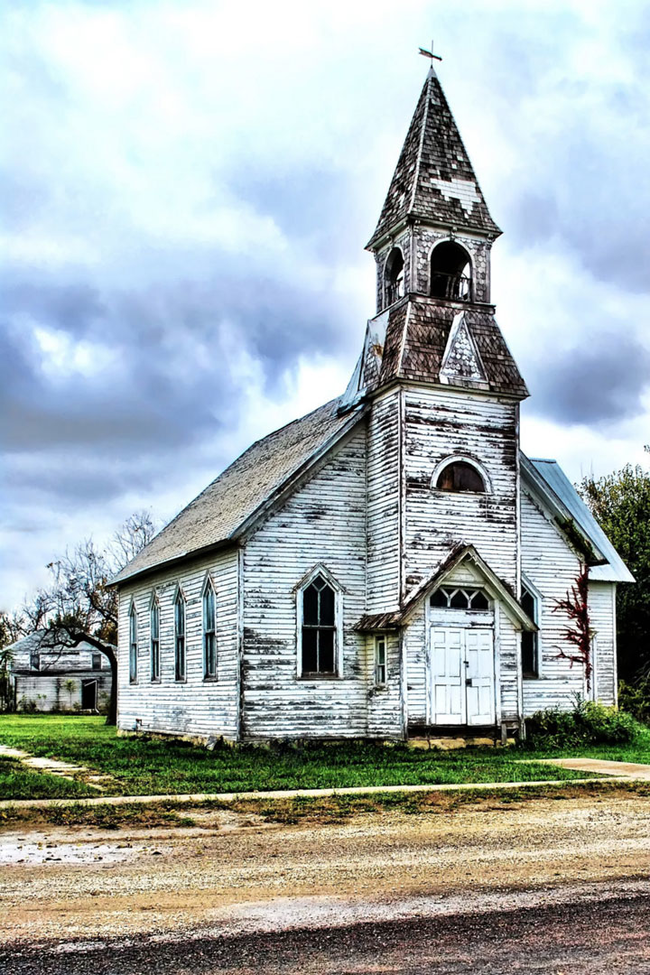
462	676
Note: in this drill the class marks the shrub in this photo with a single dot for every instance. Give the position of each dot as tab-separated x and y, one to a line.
588	723
635	699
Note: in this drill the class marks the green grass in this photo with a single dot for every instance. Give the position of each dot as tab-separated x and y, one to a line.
18	782
149	766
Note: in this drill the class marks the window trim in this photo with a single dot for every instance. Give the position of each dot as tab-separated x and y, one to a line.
209	586
305	582
458	459
379	681
154	608
134	648
180	599
538	605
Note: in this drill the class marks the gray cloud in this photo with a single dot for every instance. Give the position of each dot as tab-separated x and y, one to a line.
599	382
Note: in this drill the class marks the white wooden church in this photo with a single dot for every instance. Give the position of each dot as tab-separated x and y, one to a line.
389	564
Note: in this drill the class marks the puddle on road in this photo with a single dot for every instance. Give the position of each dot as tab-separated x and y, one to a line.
28	851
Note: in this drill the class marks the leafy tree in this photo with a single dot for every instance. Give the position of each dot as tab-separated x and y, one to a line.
620	502
79	606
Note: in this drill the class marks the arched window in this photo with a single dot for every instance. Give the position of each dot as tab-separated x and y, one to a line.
179	637
209	632
318	648
394	276
154	618
460	476
530	641
133	645
451	272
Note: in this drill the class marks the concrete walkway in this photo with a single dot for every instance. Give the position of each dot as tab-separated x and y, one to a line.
55	766
601	766
310	793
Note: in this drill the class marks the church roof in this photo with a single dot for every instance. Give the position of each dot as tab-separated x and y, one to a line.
409	340
221	512
434	180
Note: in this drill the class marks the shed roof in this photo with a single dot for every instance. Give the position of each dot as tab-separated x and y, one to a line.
225	507
561	490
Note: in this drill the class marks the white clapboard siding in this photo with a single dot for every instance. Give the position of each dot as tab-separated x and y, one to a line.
385	713
602	613
383	502
195	706
59	692
322	523
439	424
552	567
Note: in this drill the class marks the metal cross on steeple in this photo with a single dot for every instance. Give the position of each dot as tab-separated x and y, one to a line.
429	54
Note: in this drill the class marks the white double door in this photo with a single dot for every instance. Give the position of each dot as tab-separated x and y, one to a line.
461	669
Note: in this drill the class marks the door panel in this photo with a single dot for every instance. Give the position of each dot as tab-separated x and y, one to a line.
462	675
447	677
479	654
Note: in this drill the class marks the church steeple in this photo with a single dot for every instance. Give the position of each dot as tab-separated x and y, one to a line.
434	181
435	231
435	323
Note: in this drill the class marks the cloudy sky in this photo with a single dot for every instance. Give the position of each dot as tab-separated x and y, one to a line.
187	189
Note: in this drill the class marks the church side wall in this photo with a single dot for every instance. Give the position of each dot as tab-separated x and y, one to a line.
552	567
384	503
602	612
322	523
439	424
194	707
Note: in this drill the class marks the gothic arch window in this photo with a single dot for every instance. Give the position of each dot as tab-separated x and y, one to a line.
180	657
451	272
319	616
460	476
530	641
133	645
394	276
209	631
154	625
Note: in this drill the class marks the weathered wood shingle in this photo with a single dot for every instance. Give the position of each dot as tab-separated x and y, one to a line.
434	179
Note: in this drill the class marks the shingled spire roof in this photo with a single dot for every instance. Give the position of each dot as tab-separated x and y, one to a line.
434	180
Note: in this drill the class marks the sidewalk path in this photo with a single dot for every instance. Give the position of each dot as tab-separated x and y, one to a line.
601	766
602	771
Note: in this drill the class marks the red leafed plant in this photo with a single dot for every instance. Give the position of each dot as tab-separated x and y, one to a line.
578	633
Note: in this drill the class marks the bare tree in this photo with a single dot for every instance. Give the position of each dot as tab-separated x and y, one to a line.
80	606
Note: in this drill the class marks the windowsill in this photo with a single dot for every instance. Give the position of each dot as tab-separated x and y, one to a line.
531	676
210	679
319	677
133	683
180	680
155	680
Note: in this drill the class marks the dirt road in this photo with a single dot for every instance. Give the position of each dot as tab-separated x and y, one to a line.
545	881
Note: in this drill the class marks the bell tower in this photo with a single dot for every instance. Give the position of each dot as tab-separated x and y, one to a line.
435	232
444	389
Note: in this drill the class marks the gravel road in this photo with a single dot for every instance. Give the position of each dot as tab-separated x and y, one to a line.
553	886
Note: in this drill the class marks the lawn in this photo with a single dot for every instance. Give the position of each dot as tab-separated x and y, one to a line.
150	766
18	782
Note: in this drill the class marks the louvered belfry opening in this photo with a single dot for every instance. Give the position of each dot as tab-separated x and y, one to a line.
451	272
